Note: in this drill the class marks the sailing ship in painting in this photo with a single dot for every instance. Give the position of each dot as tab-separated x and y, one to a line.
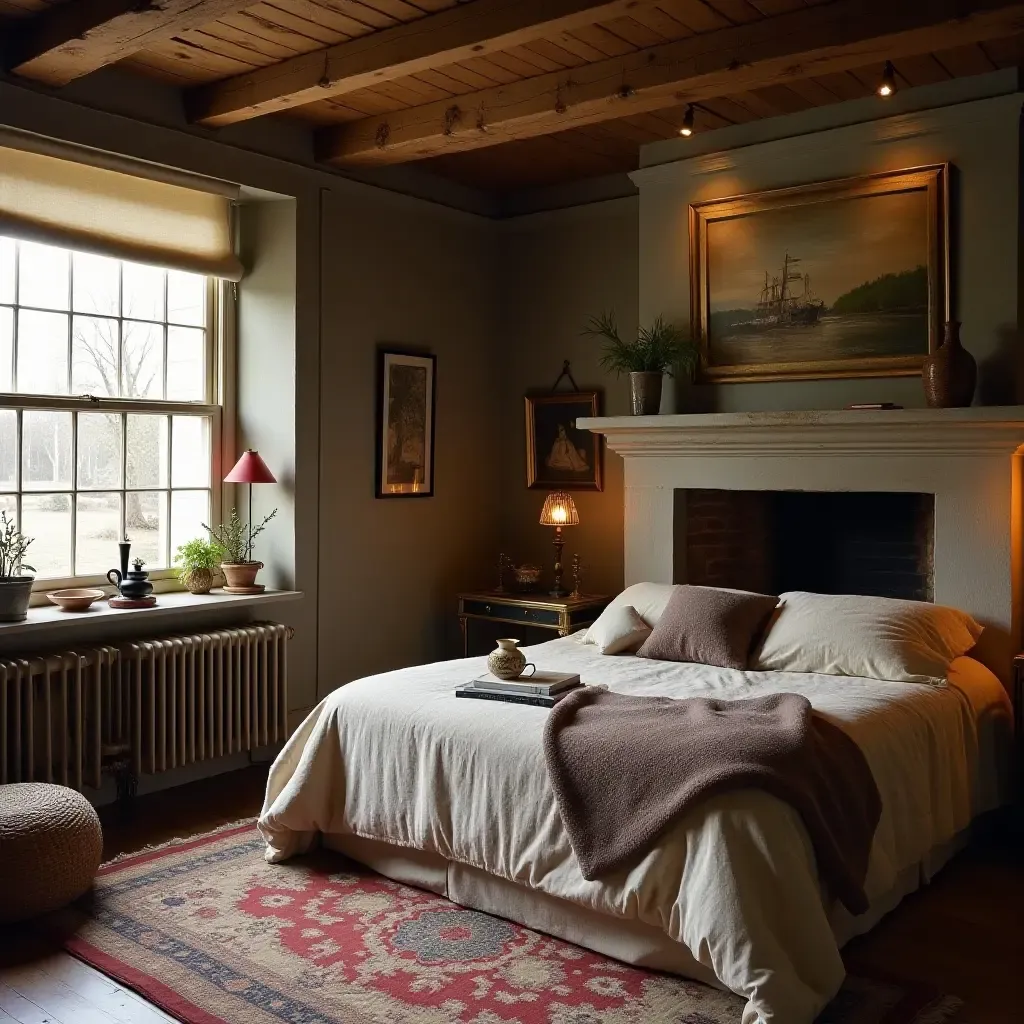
781	303
790	322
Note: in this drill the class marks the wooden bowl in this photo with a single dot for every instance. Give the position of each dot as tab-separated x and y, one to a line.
77	599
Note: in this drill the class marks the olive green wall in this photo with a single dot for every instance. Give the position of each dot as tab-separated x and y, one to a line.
557	270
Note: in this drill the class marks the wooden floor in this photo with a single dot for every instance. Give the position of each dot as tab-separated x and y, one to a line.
964	934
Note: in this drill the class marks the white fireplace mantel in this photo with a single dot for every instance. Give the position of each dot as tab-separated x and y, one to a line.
970	459
980	430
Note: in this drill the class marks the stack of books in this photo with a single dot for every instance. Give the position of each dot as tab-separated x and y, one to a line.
542	689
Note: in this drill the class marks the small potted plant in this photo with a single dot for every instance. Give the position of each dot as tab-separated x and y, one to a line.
15	588
234	541
659	349
197	560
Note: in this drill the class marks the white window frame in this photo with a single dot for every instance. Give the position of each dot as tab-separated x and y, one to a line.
220	335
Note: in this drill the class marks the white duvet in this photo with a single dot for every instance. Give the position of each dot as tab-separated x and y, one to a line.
396	757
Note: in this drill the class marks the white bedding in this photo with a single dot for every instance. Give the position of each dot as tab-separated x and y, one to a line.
396	757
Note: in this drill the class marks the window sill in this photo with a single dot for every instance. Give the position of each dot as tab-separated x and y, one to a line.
170	606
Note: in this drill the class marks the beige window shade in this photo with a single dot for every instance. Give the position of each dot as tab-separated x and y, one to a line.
48	199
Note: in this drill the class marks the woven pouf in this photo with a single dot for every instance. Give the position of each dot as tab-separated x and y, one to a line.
50	847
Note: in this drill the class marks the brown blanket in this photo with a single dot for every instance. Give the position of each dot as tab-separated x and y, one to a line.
624	769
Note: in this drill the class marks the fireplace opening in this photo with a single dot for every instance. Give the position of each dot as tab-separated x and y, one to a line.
878	543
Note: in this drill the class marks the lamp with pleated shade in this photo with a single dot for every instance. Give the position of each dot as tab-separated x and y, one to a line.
559	510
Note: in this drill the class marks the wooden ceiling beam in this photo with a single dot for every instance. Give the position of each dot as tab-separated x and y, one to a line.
457	34
69	40
832	37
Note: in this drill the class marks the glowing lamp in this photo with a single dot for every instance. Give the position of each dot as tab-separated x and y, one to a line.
559	510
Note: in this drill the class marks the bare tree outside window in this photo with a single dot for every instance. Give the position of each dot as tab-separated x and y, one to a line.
116	341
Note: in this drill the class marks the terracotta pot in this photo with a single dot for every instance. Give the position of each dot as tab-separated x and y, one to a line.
950	373
198	581
240	574
645	390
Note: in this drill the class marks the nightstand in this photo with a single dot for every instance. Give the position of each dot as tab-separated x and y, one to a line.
563	615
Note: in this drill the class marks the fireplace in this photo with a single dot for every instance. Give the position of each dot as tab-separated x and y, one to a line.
879	543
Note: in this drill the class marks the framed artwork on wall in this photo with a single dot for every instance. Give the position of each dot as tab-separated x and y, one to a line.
558	455
405	424
846	278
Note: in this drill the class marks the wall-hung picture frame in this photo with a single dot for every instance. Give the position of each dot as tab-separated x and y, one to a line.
846	278
406	391
558	455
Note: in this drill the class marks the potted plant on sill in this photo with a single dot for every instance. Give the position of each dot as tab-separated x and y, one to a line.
659	349
15	588
234	542
197	559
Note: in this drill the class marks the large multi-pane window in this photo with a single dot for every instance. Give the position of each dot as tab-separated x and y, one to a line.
108	406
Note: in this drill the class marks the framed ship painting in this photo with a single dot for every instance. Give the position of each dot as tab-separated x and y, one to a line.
558	455
843	278
405	425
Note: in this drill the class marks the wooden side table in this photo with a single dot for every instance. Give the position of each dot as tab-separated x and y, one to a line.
563	615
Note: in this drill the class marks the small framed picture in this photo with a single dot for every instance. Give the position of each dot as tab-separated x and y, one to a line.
405	425
558	455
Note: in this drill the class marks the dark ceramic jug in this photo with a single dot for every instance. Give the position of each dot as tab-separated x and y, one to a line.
950	373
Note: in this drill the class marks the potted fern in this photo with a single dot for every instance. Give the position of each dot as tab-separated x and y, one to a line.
234	542
659	349
15	588
197	559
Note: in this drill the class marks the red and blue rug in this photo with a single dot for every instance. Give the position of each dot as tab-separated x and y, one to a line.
207	930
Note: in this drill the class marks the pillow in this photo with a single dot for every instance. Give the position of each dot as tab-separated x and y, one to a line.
647	599
618	629
870	637
709	626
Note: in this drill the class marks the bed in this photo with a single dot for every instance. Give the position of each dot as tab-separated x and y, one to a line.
453	796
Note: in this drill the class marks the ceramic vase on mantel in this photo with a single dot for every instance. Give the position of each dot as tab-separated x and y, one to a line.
950	373
645	392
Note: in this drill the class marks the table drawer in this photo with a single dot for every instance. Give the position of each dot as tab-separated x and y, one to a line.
512	613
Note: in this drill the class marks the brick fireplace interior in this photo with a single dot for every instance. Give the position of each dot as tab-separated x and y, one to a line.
828	542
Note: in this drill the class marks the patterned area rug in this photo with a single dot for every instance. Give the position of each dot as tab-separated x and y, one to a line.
210	932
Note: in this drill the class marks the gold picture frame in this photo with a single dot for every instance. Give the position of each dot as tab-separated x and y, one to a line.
558	456
896	222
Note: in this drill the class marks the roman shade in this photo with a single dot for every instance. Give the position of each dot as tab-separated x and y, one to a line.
92	204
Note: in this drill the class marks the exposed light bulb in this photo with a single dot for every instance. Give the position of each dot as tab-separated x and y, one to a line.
686	128
887	86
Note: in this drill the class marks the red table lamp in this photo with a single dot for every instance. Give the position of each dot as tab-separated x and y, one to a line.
250	469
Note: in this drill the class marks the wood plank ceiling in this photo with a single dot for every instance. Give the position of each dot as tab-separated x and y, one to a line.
601	78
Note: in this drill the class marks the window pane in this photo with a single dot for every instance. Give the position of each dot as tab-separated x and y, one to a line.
186	364
42	353
47	519
189	510
186	298
94	356
142	360
147	451
142	292
43	276
190	451
46	450
7	258
99	450
97	529
9	504
8	449
146	517
6	348
96	284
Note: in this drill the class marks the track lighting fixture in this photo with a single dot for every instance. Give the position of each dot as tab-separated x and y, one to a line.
887	86
686	128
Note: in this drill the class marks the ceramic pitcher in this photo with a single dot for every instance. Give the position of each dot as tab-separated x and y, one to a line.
506	661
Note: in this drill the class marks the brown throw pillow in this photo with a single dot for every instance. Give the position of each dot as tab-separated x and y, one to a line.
709	626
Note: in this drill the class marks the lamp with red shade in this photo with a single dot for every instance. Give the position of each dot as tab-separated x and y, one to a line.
249	469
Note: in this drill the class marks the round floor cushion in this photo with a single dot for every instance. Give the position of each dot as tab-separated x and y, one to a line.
50	847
